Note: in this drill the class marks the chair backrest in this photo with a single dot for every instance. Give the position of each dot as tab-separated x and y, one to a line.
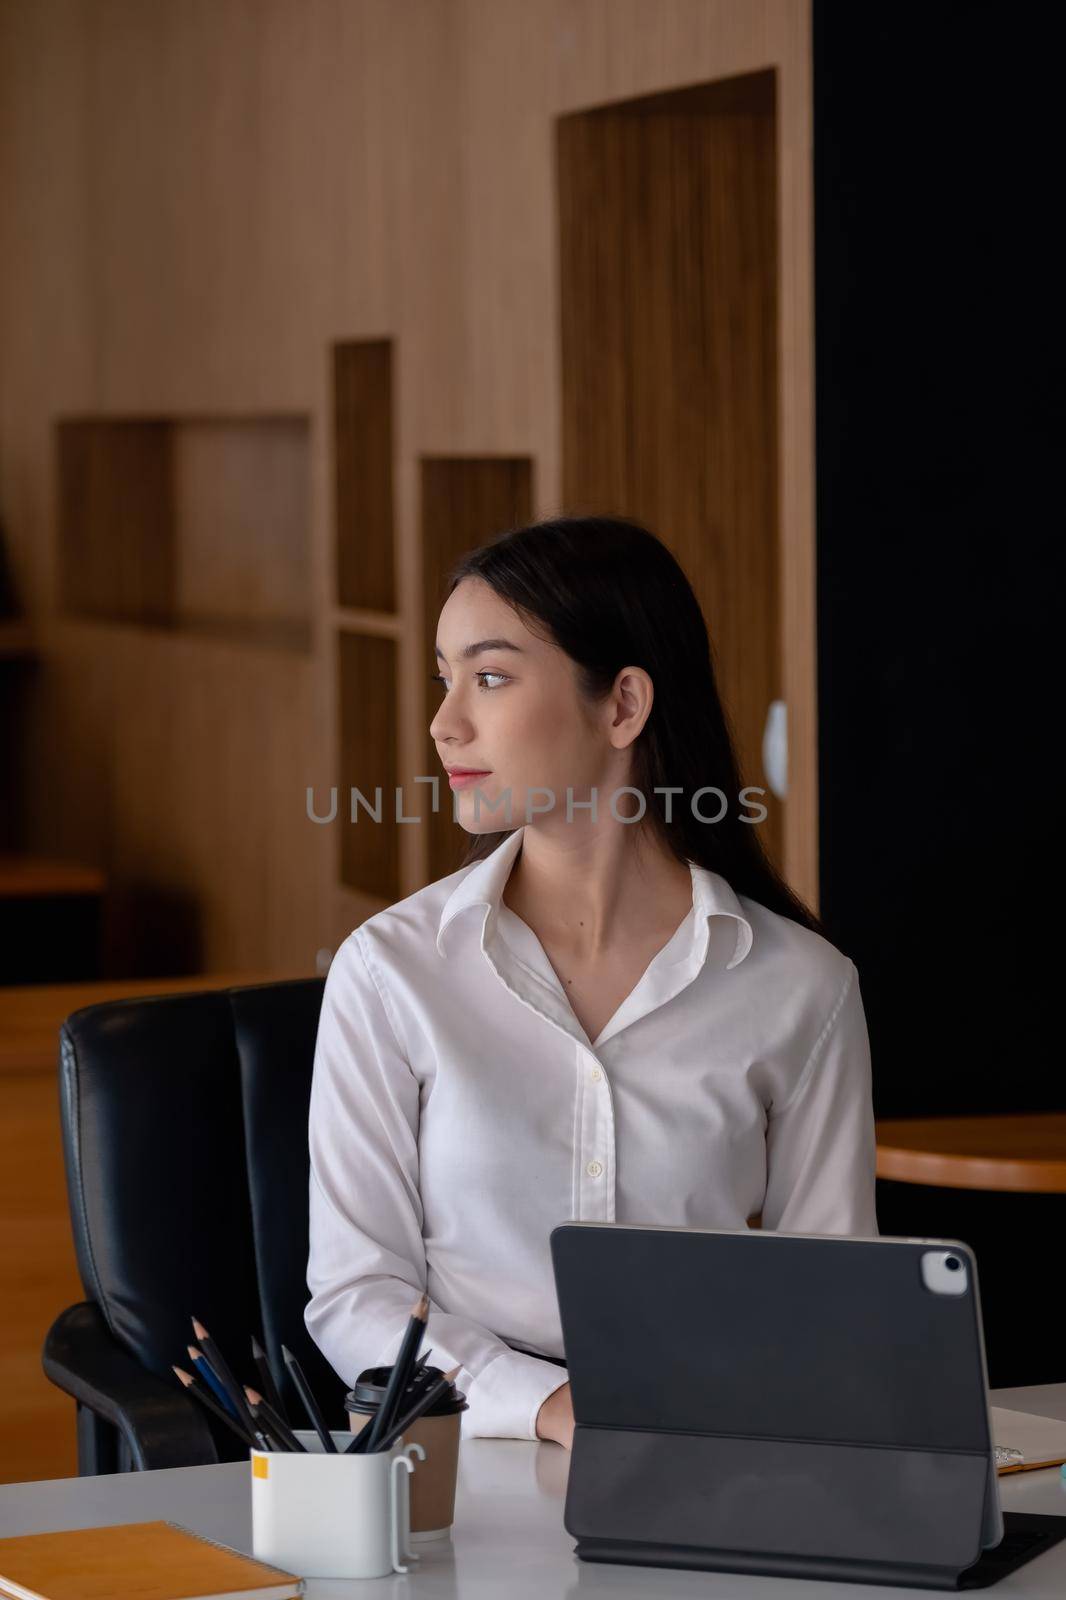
275	1028
184	1124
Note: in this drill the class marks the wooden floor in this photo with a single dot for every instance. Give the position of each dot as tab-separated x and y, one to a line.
38	1274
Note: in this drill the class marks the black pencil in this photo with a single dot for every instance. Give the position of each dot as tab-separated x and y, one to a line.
423	1404
304	1390
208	1401
400	1376
420	1406
362	1444
264	1413
266	1377
223	1374
363	1441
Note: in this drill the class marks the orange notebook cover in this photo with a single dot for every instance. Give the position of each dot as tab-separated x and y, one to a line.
136	1561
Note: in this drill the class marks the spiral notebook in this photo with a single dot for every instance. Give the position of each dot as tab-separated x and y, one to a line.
1024	1443
137	1561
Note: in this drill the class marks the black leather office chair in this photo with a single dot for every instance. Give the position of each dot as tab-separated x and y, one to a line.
185	1139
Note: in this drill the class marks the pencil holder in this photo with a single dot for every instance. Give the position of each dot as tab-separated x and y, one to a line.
333	1516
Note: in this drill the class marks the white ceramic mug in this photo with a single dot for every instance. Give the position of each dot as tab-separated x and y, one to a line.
332	1516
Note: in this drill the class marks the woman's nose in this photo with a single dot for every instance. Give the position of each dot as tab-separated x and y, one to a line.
446	722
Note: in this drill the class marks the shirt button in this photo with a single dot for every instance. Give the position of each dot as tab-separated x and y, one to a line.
594	1169
595	1074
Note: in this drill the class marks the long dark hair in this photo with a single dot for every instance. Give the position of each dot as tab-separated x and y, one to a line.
611	595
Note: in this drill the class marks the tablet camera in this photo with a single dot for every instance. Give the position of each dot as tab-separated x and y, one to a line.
943	1272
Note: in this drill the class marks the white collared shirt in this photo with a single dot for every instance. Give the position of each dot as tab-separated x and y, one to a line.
459	1112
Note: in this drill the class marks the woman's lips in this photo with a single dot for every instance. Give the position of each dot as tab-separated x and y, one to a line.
463	780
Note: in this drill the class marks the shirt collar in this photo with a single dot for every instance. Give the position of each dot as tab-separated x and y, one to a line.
484	882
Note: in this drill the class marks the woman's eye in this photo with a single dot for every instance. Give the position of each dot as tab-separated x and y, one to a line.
438	677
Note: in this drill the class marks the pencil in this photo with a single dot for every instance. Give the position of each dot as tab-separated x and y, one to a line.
223	1373
208	1401
266	1377
420	1383
264	1413
310	1405
207	1375
401	1373
363	1440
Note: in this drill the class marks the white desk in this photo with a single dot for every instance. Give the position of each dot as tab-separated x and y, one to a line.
508	1535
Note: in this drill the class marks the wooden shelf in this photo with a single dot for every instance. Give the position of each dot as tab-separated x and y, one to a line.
29	877
363	468
198	524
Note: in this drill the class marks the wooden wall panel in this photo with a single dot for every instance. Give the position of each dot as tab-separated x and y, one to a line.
210	199
668	288
369	856
242	516
194	796
363	469
205	201
465	502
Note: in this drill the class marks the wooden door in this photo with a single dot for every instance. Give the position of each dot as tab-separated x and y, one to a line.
668	293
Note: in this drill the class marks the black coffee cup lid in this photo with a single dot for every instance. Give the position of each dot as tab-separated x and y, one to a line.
365	1397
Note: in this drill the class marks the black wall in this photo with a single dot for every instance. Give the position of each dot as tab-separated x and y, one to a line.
939	510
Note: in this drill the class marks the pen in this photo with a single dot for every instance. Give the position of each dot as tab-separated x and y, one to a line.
400	1375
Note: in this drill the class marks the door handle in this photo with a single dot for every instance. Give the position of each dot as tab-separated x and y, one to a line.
775	748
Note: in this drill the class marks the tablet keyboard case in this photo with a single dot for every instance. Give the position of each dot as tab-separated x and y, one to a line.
811	1415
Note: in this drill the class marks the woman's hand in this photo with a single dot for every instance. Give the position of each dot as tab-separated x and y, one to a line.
555	1419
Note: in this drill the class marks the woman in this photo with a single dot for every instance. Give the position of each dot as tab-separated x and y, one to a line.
614	1010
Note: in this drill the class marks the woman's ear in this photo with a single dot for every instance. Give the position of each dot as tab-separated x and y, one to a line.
630	705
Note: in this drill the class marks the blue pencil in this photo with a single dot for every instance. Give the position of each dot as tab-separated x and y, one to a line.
203	1369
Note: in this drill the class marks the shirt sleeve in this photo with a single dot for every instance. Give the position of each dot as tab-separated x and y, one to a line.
367	1264
821	1148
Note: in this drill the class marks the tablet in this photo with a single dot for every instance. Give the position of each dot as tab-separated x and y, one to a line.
807	1404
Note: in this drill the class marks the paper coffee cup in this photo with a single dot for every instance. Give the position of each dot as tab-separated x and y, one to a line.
432	1487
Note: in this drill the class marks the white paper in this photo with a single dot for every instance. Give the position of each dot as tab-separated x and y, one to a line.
1038	1438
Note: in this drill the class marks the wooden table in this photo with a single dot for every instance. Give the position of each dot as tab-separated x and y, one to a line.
31	1013
1016	1153
38	1275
